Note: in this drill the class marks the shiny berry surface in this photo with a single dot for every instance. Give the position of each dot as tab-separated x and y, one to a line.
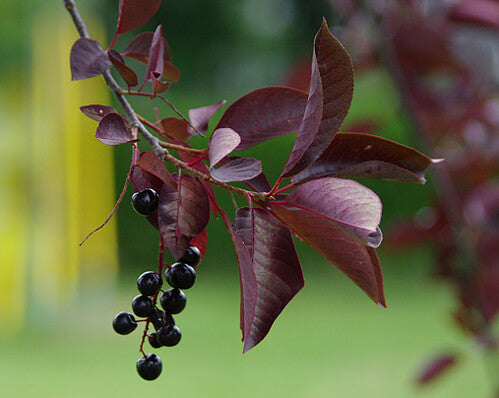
149	367
124	323
145	202
181	276
149	283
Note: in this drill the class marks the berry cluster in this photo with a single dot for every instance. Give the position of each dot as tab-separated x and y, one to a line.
180	275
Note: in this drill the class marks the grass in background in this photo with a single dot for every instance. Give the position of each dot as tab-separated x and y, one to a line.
331	341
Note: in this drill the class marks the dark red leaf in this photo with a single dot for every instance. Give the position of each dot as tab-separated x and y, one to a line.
112	130
436	367
201	242
183	213
324	226
88	59
135	13
264	114
156	53
353	155
200	117
222	142
139	48
237	169
158	86
476	12
97	112
270	272
150	162
125	72
175	127
331	90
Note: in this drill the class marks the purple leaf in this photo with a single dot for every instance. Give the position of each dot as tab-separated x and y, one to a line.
222	142
270	272
338	218
259	184
158	86
353	155
435	368
88	59
331	90
97	112
156	53
135	13
139	49
112	130
264	114
200	117
353	207
150	162
237	169
183	213
125	72
175	127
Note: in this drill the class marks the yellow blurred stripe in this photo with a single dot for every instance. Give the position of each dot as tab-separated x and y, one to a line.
72	174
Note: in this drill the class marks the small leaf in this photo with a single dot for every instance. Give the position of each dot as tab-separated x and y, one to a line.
270	272
158	86
435	368
353	155
259	184
88	59
150	162
237	169
97	112
135	13
125	72
200	117
156	53
331	91
222	142
183	213
175	127
112	130
264	114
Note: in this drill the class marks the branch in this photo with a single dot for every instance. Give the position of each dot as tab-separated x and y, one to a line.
113	85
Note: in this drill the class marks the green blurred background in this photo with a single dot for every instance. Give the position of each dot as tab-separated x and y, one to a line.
58	183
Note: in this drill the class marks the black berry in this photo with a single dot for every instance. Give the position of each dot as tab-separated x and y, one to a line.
149	367
145	202
191	256
149	283
181	276
173	301
159	319
142	305
169	335
124	323
153	340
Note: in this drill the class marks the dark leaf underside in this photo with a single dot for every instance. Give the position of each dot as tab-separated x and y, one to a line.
88	59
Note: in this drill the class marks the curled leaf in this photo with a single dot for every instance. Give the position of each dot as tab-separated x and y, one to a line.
97	112
112	130
237	169
331	91
222	142
125	72
200	117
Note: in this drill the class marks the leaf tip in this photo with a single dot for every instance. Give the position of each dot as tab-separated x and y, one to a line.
382	304
435	161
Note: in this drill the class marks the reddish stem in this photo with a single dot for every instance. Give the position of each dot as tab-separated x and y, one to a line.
276	185
277	191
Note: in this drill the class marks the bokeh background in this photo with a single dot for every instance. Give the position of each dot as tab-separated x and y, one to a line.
57	183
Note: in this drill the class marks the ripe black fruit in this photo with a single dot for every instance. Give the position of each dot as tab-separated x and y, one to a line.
169	335
153	340
149	283
124	323
159	319
181	276
173	301
142	305
191	256
149	367
145	202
